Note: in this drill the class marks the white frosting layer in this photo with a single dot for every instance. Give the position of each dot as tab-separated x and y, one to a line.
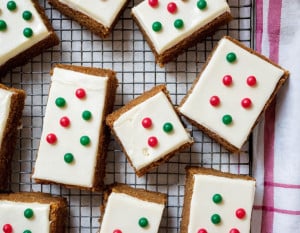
236	194
103	11
198	108
5	100
192	16
12	40
160	110
50	163
124	211
13	213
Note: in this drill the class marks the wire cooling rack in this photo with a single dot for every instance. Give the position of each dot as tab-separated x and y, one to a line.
126	52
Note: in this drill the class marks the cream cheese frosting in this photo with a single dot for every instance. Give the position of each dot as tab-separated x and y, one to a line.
12	213
197	106
193	19
123	213
5	101
236	195
159	109
50	164
103	11
12	39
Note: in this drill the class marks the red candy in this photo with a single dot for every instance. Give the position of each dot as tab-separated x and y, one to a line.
227	80
246	103
153	3
64	121
117	231
147	122
7	228
234	230
172	7
152	141
240	213
202	230
80	93
251	81
214	100
51	138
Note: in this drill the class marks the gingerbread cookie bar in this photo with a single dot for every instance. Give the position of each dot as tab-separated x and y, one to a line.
25	32
149	130
170	27
216	201
100	16
234	88
74	140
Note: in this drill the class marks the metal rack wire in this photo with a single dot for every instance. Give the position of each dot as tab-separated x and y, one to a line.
126	52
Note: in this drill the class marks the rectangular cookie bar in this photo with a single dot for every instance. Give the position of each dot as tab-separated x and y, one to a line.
127	209
172	27
32	212
25	32
149	130
12	102
99	16
232	91
74	140
216	201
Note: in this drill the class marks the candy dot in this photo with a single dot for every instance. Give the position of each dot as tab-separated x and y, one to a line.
152	141
178	23
69	158
27	32
214	100
251	81
117	231
201	4
11	5
80	93
85	140
27	231
7	228
27	15
60	102
227	119
86	115
215	219
217	198
3	25
153	3
234	230
147	122
202	230
51	138
231	57
64	121
28	213
240	213
227	80
157	26
168	127
143	222
246	103
172	7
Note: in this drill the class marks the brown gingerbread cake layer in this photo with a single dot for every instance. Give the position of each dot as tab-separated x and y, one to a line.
23	57
10	134
58	206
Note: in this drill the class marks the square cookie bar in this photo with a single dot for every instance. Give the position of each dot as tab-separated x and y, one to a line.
25	32
170	27
149	130
216	201
232	91
99	16
32	212
74	140
127	209
11	108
